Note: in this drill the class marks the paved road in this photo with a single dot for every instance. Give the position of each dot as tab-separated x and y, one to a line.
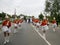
27	35
52	37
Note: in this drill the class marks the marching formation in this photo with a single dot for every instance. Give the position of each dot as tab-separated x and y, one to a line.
38	24
44	25
17	23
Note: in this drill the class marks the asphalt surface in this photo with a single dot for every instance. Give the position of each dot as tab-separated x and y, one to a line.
27	35
52	37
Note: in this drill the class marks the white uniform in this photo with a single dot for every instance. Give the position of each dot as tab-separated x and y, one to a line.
54	25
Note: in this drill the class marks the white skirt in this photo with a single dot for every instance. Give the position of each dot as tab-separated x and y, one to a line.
19	24
6	29
9	30
45	27
54	25
37	24
15	26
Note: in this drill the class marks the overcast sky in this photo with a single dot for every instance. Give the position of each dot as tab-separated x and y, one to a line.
27	7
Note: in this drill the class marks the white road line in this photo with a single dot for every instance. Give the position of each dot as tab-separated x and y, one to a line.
41	35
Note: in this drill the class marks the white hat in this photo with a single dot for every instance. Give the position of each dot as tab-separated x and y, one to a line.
54	18
44	17
6	16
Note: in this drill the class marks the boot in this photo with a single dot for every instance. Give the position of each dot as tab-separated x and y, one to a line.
5	40
54	30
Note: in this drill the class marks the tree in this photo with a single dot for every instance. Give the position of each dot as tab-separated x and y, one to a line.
48	4
41	16
24	17
2	15
9	15
53	8
13	16
18	16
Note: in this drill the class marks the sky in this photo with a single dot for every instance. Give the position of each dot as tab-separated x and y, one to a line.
27	7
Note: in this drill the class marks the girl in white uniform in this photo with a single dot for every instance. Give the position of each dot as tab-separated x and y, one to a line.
44	26
6	29
15	25
54	25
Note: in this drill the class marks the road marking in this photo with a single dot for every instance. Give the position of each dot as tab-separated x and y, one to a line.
41	35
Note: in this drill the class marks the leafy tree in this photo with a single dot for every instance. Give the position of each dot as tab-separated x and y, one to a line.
24	17
41	16
18	16
13	16
2	15
9	15
53	8
48	4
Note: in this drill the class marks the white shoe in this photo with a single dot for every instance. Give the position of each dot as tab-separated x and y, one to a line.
44	36
5	42
7	39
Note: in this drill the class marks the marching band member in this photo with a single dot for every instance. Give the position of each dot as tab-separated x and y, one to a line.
54	24
37	23
44	26
47	22
19	22
6	29
33	21
15	24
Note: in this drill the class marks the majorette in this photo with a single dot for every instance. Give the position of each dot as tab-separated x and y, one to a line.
15	24
44	25
54	24
6	28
